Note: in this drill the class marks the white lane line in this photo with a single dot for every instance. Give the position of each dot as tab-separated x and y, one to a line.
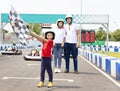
32	64
30	78
20	78
105	74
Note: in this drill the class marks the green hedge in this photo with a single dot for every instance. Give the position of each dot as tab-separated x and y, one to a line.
95	43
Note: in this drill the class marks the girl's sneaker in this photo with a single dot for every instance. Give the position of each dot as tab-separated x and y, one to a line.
41	84
59	70
50	84
56	70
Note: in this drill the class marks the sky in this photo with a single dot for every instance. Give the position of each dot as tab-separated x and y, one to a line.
87	7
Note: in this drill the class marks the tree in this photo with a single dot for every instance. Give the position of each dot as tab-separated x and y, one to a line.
111	38
36	28
116	35
100	34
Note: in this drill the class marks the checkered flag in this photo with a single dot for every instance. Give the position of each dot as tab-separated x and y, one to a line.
19	26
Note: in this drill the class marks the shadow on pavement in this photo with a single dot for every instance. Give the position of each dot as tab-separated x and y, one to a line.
89	73
83	73
63	87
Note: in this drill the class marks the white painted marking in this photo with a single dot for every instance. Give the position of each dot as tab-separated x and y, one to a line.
105	74
5	78
30	78
19	78
70	80
32	64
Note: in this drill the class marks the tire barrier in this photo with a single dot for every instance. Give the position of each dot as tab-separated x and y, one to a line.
108	64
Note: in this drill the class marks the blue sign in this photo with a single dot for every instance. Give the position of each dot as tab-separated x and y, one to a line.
36	18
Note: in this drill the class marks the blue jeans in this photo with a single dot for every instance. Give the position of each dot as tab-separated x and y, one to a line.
70	48
57	55
46	65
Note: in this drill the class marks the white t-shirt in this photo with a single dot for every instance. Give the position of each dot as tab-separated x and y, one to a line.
71	35
59	35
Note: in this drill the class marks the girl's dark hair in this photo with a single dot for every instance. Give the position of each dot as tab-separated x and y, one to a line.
62	23
51	33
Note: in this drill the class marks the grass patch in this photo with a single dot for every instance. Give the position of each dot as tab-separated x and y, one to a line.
113	54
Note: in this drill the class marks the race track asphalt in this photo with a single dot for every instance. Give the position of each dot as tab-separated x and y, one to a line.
16	74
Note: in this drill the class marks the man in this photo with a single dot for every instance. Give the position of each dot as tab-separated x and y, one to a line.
72	42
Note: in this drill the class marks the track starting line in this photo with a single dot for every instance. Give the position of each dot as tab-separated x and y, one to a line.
30	78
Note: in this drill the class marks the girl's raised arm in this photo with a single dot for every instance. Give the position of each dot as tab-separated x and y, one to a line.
38	37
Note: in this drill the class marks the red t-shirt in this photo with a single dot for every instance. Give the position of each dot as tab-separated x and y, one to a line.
47	48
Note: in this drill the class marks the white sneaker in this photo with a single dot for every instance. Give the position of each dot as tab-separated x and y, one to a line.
55	70
58	70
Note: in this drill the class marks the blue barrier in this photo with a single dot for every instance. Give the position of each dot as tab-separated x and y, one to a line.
100	60
108	65
113	67
110	46
96	59
90	56
18	46
118	71
99	48
103	48
115	49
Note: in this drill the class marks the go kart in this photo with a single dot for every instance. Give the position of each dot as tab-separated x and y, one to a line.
11	51
34	55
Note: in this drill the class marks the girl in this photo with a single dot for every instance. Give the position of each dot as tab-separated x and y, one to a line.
58	45
46	57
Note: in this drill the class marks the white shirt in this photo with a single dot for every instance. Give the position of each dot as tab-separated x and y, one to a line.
71	34
59	35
